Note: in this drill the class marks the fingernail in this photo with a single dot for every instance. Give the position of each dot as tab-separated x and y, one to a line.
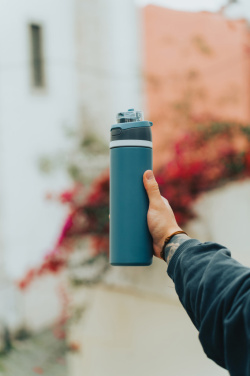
149	175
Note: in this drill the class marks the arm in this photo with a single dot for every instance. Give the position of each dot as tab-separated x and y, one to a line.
215	291
213	288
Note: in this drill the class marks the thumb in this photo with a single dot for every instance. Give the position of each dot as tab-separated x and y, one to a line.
151	187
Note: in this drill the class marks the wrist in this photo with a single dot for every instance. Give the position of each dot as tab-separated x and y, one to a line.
168	233
172	244
171	231
168	239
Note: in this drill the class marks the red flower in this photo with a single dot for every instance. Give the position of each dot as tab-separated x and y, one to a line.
66	196
27	279
247	161
38	370
74	346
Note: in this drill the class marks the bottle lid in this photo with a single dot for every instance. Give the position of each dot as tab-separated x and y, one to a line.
129	116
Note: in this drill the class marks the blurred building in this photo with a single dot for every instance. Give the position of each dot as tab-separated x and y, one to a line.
63	66
37	100
109	65
196	65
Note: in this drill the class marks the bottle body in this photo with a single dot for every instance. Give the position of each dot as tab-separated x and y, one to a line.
130	239
130	156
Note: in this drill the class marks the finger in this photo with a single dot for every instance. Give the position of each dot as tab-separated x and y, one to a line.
151	187
165	200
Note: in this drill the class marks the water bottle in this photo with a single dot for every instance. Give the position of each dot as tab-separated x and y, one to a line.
131	243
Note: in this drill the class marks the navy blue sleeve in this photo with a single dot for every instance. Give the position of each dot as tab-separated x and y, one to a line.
214	289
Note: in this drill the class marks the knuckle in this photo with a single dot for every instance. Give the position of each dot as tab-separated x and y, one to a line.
165	200
154	186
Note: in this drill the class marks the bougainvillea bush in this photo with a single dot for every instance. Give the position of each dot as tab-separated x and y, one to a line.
206	158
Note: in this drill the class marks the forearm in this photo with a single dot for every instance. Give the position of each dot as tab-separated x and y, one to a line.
214	290
173	245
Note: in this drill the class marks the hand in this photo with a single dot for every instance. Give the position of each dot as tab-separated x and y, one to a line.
161	219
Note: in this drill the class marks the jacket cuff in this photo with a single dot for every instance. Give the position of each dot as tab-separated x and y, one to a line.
182	248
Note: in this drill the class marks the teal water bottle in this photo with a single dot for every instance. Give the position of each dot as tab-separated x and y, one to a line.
130	156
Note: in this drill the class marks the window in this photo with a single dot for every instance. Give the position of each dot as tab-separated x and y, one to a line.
37	63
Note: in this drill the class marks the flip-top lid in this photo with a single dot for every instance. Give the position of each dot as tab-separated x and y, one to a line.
131	119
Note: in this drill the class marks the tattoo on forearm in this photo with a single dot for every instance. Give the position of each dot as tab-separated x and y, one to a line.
172	246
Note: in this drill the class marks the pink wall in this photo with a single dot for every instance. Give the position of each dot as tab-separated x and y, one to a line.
195	64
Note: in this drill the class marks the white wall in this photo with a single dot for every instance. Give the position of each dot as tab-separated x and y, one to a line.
92	71
108	61
31	125
128	333
224	217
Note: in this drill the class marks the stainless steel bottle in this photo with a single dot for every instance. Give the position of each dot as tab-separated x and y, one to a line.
130	157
